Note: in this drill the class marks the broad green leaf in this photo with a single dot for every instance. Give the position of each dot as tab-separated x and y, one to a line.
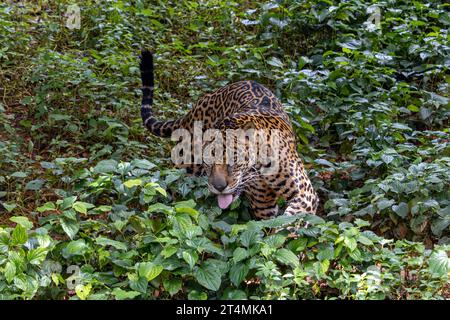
191	257
439	263
9	206
238	272
286	257
132	183
326	252
48	206
350	243
159	207
239	254
172	285
120	294
37	256
23	221
249	237
106	166
149	270
197	295
67	202
75	248
10	271
19	174
169	251
209	277
401	209
185	204
83	291
109	242
35	184
19	235
274	61
82	207
70	227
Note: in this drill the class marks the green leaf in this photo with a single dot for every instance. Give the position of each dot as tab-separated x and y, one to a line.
191	257
23	221
146	12
142	164
286	257
350	243
19	235
106	166
26	283
172	285
238	272
149	270
82	207
70	227
364	240
401	209
169	251
37	256
197	295
9	206
387	158
234	295
48	206
132	183
439	263
67	202
279	221
297	245
384	203
192	212
151	187
209	277
139	284
35	184
326	252
325	264
75	248
120	294
159	207
83	291
108	242
10	271
239	254
19	174
274	61
185	204
249	237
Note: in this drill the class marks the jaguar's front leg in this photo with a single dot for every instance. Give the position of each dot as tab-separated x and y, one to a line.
297	206
263	208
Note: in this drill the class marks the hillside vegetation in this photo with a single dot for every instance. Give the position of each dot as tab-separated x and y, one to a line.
91	207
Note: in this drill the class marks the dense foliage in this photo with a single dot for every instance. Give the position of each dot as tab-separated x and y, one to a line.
91	208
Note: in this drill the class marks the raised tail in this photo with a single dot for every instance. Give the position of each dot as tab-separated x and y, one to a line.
159	128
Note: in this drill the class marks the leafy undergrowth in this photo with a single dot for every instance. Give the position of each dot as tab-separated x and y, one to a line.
151	246
83	215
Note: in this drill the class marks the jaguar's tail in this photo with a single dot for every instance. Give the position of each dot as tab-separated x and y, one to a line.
159	128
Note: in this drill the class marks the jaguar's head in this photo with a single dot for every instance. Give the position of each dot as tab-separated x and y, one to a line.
240	167
226	182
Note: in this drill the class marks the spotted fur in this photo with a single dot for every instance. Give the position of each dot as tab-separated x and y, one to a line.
244	104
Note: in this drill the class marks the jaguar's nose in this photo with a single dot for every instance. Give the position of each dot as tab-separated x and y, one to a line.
220	185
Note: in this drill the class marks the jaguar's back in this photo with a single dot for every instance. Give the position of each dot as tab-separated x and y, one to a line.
212	108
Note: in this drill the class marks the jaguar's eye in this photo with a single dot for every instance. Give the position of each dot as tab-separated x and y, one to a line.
229	169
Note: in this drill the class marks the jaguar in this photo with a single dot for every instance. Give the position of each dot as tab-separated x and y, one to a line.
240	105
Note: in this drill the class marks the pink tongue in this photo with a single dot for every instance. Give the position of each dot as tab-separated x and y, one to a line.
224	200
